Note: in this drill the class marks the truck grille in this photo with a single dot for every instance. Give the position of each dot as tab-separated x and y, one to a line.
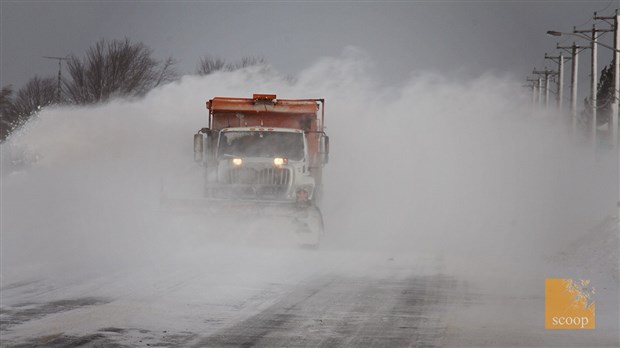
267	177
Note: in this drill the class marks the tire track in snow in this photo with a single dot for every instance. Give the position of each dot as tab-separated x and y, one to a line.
346	311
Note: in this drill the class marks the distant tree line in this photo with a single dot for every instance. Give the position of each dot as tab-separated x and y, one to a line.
109	69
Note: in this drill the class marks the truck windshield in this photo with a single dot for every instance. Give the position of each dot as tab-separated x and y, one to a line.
262	144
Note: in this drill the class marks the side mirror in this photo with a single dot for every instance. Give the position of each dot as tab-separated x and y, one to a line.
210	144
324	151
198	147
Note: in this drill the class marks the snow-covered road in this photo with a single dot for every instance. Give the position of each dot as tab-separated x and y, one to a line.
243	296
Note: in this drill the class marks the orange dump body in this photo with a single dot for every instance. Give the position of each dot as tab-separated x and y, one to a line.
265	111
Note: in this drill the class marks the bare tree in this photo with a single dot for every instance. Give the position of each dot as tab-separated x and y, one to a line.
113	69
209	65
6	116
167	73
38	93
248	61
5	99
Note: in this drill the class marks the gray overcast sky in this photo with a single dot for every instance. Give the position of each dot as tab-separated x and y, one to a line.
465	38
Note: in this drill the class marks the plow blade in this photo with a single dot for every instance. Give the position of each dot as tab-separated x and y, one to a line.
262	219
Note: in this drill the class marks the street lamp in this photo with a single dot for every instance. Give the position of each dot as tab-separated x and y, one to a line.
559	33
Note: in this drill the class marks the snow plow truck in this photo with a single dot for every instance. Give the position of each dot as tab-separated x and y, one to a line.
264	157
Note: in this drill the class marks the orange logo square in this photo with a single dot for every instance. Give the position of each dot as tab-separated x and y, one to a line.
569	304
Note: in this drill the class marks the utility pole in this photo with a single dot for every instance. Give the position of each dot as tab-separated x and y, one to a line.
547	79
60	59
533	85
560	81
613	122
547	74
575	50
540	91
614	106
593	77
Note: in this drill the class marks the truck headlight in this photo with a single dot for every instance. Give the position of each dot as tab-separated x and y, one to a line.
278	161
237	161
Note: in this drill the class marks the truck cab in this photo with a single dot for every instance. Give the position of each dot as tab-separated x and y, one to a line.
263	164
263	149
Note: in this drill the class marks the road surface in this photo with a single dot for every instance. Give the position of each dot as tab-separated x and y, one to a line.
266	297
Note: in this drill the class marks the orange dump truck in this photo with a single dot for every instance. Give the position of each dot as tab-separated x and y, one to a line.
265	152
